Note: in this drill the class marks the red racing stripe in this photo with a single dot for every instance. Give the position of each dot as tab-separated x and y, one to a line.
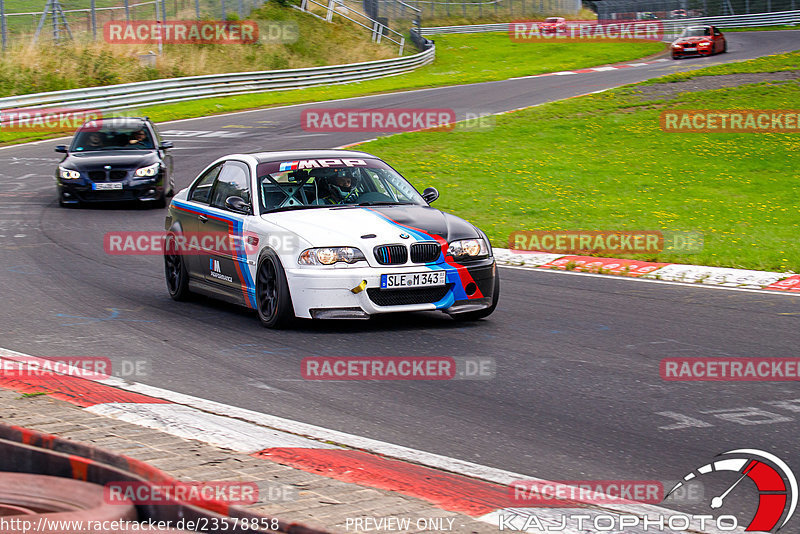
448	491
78	391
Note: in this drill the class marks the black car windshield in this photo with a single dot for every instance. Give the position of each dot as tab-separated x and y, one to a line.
110	137
696	32
314	183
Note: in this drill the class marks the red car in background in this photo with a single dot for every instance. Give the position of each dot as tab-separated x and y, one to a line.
699	41
553	25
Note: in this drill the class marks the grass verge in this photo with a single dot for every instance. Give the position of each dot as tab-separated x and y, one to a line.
460	59
601	162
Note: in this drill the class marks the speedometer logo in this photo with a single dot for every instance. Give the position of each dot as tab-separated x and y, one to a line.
776	484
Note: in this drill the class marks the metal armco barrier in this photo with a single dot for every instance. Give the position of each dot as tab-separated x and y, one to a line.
753	20
28	451
131	95
472	28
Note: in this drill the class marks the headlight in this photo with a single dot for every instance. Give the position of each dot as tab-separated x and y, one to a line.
330	255
468	248
150	170
68	174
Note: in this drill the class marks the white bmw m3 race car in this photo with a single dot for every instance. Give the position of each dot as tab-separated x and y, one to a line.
324	234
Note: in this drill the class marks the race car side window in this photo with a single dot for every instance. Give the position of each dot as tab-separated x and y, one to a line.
201	192
233	181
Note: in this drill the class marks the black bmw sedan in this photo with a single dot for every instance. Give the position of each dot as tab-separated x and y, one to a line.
116	159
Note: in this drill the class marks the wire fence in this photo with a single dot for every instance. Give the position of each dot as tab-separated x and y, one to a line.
58	19
429	11
686	9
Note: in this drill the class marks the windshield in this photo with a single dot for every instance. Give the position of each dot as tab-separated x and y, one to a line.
317	183
551	19
696	32
110	137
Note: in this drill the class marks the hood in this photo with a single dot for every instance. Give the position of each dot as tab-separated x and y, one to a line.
692	40
348	226
128	159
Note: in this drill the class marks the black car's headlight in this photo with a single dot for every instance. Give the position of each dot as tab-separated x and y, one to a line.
68	174
468	249
150	170
330	255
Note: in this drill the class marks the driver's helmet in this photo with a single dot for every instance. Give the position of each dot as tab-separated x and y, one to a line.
336	184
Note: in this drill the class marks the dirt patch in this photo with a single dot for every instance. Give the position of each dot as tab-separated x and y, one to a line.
705	83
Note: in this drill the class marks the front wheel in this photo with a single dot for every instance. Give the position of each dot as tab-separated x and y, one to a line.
175	271
273	300
486	312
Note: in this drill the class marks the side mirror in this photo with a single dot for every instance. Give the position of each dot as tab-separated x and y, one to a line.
165	145
61	148
237	204
430	194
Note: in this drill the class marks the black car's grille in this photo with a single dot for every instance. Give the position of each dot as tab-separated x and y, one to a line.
399	297
118	176
391	254
97	176
425	252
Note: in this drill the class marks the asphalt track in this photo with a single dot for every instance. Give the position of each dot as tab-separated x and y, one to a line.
577	394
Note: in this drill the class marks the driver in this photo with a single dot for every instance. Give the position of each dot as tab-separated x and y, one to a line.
335	186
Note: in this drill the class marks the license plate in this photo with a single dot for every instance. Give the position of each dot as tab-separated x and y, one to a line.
399	281
113	186
690	50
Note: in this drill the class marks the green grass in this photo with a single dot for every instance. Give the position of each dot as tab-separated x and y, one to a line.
460	59
601	162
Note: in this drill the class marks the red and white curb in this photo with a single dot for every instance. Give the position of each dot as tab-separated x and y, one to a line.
645	270
593	69
475	490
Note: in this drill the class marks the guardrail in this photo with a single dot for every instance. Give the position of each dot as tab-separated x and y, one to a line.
472	28
753	20
131	95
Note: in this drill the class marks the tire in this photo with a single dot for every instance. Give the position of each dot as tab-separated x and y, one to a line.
724	47
480	314
161	203
675	57
273	299
175	272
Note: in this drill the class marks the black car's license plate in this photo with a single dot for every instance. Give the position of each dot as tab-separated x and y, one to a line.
398	281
